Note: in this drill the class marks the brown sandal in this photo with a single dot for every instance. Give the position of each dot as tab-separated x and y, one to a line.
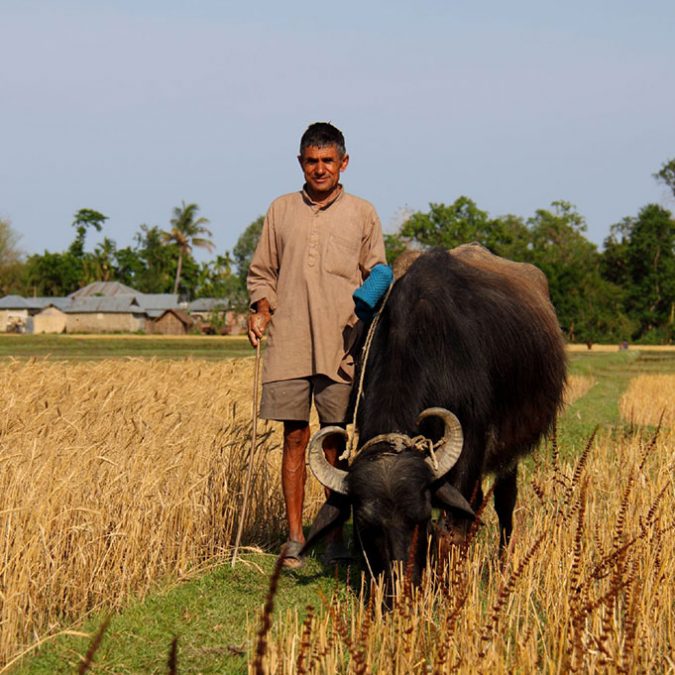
290	553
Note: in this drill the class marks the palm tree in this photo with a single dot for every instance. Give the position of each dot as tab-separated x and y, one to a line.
185	233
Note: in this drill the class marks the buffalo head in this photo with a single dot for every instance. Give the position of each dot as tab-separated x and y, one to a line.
392	486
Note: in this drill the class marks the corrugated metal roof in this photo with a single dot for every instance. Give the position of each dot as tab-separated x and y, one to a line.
153	304
41	303
121	305
158	300
108	289
13	302
17	302
184	317
207	304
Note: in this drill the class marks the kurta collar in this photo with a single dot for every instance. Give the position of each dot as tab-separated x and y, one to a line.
320	206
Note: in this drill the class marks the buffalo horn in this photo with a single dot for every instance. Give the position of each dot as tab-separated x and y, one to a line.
328	475
450	446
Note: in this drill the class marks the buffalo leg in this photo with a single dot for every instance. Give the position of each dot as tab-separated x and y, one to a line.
506	492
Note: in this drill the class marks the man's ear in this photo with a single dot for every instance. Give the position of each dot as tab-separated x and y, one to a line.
344	162
447	496
332	514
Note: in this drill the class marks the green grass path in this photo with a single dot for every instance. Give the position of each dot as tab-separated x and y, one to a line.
209	615
87	348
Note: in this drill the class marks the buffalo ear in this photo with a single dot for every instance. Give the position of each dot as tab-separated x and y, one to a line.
332	514
448	496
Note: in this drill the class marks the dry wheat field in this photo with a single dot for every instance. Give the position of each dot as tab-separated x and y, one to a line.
117	475
587	585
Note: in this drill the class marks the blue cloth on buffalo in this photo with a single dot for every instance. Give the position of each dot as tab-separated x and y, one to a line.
368	296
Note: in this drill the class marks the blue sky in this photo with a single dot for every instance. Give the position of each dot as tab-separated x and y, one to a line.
130	107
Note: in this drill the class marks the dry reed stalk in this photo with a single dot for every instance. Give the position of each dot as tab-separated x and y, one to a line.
305	653
172	661
266	617
88	658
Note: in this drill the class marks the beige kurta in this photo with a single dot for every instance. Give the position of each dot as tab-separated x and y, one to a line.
309	261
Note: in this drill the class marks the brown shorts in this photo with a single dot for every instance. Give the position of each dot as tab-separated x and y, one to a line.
292	399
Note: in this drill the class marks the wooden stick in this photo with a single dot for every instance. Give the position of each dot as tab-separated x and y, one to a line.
254	435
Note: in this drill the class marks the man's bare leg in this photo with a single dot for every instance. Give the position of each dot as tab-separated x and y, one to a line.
294	475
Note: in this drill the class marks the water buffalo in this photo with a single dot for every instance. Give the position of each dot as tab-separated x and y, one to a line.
468	353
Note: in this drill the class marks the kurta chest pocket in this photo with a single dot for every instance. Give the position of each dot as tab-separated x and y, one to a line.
342	256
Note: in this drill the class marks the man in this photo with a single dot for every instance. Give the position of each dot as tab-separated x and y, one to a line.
316	248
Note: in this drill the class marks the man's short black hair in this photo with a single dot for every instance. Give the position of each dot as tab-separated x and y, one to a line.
320	135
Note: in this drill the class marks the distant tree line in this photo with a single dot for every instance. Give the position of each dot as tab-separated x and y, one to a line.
624	292
158	260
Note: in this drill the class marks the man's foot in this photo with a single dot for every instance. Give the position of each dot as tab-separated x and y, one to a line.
336	553
290	553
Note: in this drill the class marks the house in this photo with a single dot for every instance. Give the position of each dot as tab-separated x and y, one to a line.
50	320
215	316
110	306
170	322
116	314
17	313
113	307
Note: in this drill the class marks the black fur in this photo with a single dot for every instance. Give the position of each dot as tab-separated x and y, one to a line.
483	343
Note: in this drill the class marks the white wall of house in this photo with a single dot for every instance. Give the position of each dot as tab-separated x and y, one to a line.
99	322
50	320
10	317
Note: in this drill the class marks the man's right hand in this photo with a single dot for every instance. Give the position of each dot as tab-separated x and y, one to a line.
257	322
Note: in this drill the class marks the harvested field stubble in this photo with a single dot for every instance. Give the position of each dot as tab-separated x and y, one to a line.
587	584
650	399
577	386
116	475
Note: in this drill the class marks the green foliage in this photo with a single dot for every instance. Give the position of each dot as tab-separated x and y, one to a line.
53	274
149	265
666	175
187	232
640	256
245	248
84	219
448	226
572	266
217	280
394	245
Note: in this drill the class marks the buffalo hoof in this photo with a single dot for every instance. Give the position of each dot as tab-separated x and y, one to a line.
336	553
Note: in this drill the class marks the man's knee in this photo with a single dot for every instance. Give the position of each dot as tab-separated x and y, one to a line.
296	436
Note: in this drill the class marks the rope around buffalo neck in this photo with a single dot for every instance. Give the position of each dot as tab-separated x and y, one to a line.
364	360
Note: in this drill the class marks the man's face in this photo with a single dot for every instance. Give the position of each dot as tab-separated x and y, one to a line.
322	167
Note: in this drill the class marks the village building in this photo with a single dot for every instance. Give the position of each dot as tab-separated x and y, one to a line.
113	307
17	313
170	322
50	320
118	314
214	316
